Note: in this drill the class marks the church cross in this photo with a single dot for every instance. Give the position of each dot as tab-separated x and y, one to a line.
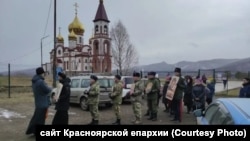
76	6
59	30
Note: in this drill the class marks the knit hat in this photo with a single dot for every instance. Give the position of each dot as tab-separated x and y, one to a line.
39	71
118	77
94	77
62	75
177	70
152	73
136	74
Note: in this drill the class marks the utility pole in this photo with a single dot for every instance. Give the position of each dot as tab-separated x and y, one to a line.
42	49
54	56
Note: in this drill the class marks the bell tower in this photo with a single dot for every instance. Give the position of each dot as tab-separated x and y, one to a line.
101	42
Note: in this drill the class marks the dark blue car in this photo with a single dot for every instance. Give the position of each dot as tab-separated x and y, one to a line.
225	111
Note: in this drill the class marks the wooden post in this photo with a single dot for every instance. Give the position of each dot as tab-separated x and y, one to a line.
9	78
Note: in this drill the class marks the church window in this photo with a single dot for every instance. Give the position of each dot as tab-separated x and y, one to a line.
86	68
96	28
79	60
96	47
67	65
80	40
86	61
105	29
105	48
59	52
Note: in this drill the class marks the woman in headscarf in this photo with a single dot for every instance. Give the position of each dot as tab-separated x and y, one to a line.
165	101
245	90
188	101
199	94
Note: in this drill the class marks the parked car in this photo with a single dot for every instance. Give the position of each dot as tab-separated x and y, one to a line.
127	82
79	84
225	111
126	97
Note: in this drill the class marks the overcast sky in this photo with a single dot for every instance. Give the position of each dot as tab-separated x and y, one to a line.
161	30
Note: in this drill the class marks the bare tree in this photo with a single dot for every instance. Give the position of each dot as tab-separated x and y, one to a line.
124	54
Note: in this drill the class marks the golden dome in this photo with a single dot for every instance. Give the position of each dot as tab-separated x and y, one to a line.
77	26
72	35
59	38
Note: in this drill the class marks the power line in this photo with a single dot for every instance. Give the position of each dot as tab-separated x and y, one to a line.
47	21
24	55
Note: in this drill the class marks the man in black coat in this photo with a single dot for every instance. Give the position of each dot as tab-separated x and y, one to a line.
41	96
62	101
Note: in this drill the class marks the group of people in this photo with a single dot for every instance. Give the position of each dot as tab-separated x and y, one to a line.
195	93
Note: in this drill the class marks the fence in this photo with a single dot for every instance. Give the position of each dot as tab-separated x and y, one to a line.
11	82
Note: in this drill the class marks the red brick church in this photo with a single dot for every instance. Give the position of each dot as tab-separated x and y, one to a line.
79	57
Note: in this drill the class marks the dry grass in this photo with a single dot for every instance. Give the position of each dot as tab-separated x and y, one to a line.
19	81
230	93
16	98
18	84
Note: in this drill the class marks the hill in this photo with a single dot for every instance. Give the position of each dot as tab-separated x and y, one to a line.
190	66
233	65
26	72
242	65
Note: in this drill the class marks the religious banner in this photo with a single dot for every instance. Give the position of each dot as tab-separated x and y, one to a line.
132	88
171	87
58	91
149	87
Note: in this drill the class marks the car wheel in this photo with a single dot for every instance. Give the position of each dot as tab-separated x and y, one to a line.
109	104
83	104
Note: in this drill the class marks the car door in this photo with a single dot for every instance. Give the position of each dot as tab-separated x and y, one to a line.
75	83
208	115
85	85
105	89
221	117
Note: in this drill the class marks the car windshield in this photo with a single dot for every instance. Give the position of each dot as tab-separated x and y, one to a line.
129	80
106	83
85	83
75	83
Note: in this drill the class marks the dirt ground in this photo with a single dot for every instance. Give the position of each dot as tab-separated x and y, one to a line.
13	128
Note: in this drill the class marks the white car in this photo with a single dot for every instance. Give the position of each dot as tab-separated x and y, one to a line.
80	84
127	82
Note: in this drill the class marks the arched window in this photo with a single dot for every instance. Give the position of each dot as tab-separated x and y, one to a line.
80	40
105	29
97	48
106	48
59	52
96	28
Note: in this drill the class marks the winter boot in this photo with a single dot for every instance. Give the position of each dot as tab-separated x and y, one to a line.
137	122
118	122
154	117
148	113
151	116
91	123
96	122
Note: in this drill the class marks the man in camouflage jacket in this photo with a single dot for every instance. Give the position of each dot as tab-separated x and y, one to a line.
116	97
93	99
152	95
136	97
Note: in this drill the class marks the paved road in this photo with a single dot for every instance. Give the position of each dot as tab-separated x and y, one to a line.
231	85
